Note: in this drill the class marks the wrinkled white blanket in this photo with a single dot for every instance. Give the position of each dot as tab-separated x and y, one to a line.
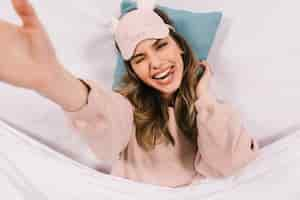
30	170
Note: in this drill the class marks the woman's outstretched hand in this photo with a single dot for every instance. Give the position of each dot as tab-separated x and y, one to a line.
27	57
203	85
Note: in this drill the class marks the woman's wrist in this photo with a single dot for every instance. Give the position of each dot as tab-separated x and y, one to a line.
88	89
66	90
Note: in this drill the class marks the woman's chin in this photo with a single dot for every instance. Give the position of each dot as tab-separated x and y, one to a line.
168	89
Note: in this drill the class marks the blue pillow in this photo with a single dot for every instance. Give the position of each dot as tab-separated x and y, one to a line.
198	29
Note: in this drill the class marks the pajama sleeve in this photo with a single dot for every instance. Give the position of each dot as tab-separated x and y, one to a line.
105	123
224	145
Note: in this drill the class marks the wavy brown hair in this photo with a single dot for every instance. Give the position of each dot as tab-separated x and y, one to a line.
151	110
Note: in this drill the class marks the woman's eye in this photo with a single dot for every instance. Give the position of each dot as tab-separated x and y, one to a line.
138	61
162	45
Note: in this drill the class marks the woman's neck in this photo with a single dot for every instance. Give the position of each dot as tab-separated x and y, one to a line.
170	99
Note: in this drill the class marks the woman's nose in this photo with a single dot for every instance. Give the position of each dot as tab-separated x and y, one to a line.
155	61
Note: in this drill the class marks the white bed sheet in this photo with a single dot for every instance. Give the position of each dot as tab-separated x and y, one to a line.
31	170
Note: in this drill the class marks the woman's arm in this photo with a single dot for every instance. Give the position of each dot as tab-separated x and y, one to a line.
106	122
28	60
65	90
103	118
224	145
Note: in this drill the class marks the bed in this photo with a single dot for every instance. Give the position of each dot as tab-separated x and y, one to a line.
32	170
255	59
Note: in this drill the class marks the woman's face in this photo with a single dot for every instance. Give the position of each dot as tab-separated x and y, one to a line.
158	63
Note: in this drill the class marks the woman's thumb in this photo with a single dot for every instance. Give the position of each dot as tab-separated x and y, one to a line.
26	12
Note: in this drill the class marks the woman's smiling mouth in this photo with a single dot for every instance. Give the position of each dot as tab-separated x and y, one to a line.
165	77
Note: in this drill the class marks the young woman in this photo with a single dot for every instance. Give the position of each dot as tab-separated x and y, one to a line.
161	126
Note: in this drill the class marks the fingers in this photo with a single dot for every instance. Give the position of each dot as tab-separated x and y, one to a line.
206	66
26	12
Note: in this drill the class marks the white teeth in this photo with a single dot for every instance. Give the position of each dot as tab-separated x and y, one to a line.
162	74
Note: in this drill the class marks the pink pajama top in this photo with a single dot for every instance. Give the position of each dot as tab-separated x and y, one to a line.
224	146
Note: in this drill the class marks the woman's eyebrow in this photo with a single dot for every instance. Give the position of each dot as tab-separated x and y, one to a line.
137	55
156	42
